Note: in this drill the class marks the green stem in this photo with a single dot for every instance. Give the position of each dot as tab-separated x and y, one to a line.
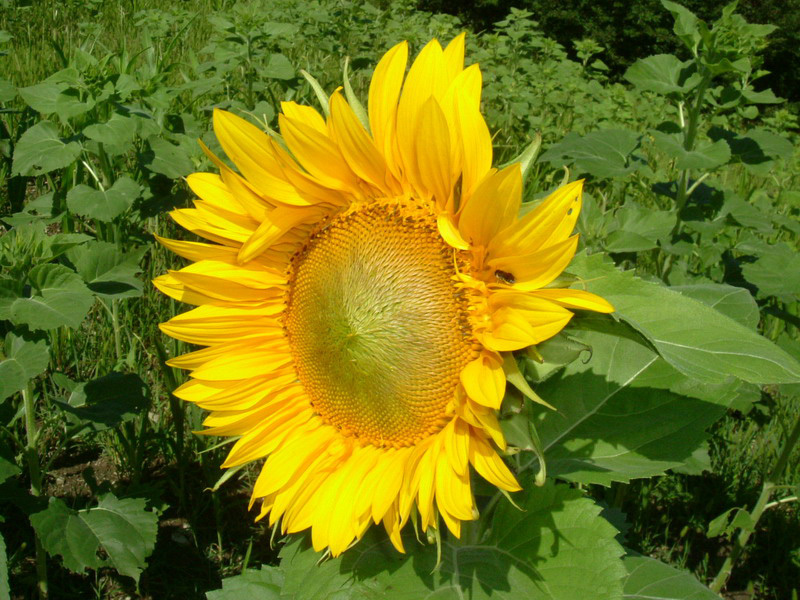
761	504
115	324
34	469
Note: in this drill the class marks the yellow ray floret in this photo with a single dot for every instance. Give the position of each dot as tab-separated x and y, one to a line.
359	298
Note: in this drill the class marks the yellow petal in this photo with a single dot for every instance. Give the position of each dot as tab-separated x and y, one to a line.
474	140
305	114
450	232
357	148
454	55
536	270
317	153
275	225
249	148
579	299
549	223
492	207
490	466
427	77
484	380
384	90
433	153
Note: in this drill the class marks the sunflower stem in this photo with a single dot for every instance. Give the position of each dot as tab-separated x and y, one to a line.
35	472
760	506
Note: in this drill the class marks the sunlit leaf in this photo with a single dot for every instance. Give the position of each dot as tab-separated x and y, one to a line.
698	340
533	553
107	271
24	359
609	424
120	527
650	579
103	205
604	153
41	150
663	73
60	298
258	584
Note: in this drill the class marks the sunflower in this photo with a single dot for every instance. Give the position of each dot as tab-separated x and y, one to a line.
368	280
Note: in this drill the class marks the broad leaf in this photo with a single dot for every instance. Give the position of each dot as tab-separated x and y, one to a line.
41	150
256	584
167	159
776	272
696	339
61	298
663	74
103	205
107	271
705	156
116	134
8	469
604	153
735	302
637	228
533	553
278	67
610	423
24	359
106	402
121	527
650	579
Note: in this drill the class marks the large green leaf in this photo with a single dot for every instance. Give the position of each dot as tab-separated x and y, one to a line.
41	150
116	134
533	553
167	159
650	579
103	205
704	156
24	359
61	298
663	74
121	527
604	153
613	420
735	302
279	67
254	584
636	228
107	271
106	402
775	272
699	341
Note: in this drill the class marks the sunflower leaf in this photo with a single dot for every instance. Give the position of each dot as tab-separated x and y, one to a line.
532	553
617	417
263	584
650	579
23	360
696	339
120	526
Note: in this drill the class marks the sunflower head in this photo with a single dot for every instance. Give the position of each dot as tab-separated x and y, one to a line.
364	284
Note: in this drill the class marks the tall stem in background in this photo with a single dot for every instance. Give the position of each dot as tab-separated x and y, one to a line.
34	470
766	491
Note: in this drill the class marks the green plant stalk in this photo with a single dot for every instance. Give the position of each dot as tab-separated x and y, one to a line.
34	469
761	504
115	325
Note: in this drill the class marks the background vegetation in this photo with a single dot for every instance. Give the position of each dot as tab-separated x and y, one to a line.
101	104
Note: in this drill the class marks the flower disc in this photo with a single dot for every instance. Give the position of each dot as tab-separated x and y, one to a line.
378	330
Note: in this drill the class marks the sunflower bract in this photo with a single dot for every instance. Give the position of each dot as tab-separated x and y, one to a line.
358	296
